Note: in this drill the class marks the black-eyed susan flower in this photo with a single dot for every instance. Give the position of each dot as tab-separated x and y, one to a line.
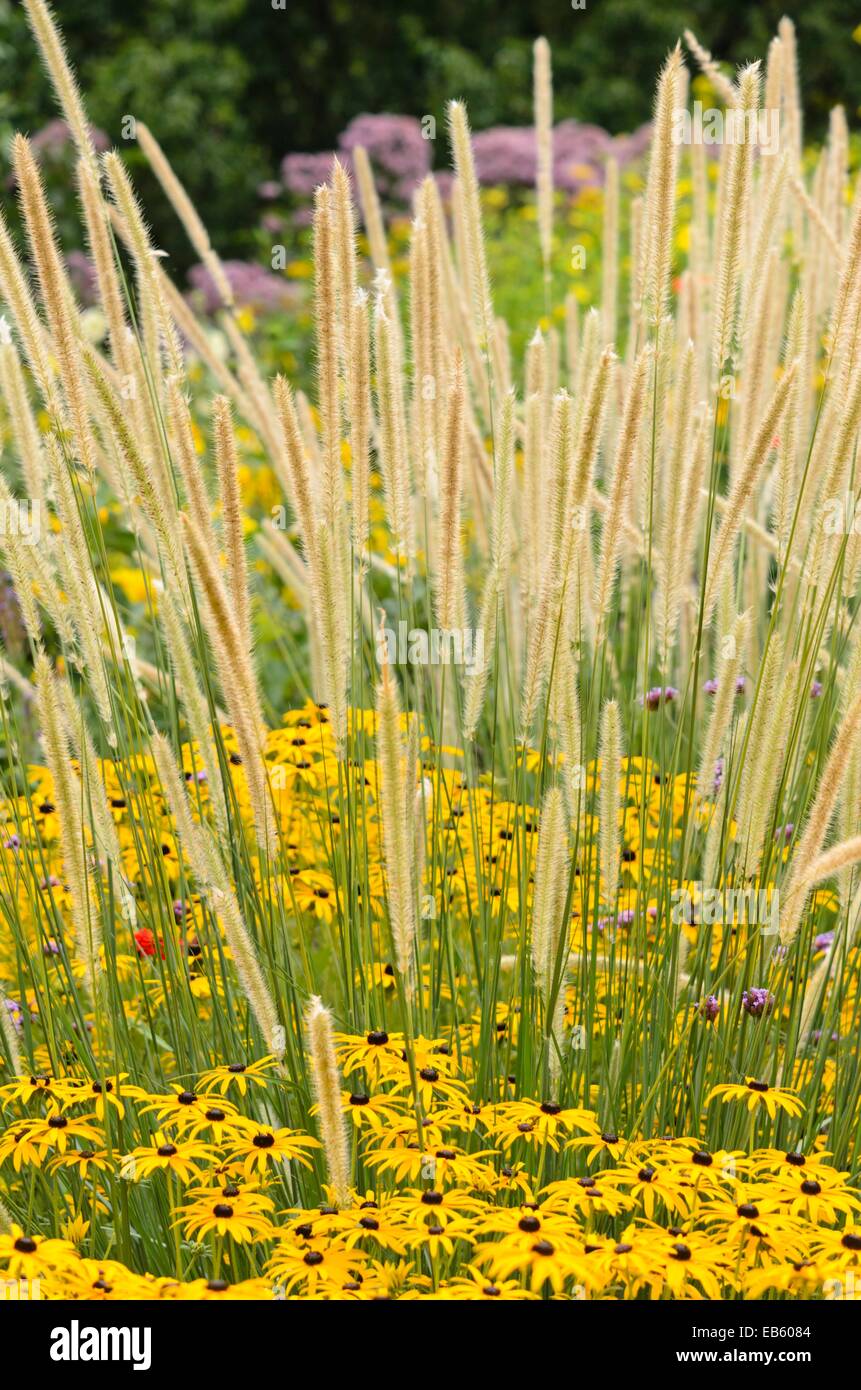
29	1257
263	1147
181	1157
756	1094
378	1052
433	1207
238	1076
325	1265
83	1160
376	1112
56	1131
473	1286
648	1184
540	1259
243	1217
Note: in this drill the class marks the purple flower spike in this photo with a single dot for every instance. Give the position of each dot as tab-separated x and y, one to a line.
14	1011
710	686
757	1002
710	1008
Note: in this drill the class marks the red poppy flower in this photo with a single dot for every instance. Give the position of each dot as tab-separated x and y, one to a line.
146	943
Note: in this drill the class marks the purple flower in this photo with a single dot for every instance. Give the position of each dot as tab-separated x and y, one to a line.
625	917
401	156
815	690
398	151
710	1008
658	693
56	137
12	843
252	285
757	1002
14	1010
633	146
82	274
302	173
711	685
178	910
785	831
823	941
505	154
269	190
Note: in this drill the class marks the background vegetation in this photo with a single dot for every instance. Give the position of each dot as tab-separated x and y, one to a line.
231	86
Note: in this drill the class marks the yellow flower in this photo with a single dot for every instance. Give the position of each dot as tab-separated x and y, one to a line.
181	1158
134	584
758	1093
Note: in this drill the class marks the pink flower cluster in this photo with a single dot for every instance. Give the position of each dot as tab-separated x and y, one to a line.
401	156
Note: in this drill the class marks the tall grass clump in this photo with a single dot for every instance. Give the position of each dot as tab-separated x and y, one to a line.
520	724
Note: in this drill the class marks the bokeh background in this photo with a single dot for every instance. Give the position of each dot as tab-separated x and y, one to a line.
230	87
